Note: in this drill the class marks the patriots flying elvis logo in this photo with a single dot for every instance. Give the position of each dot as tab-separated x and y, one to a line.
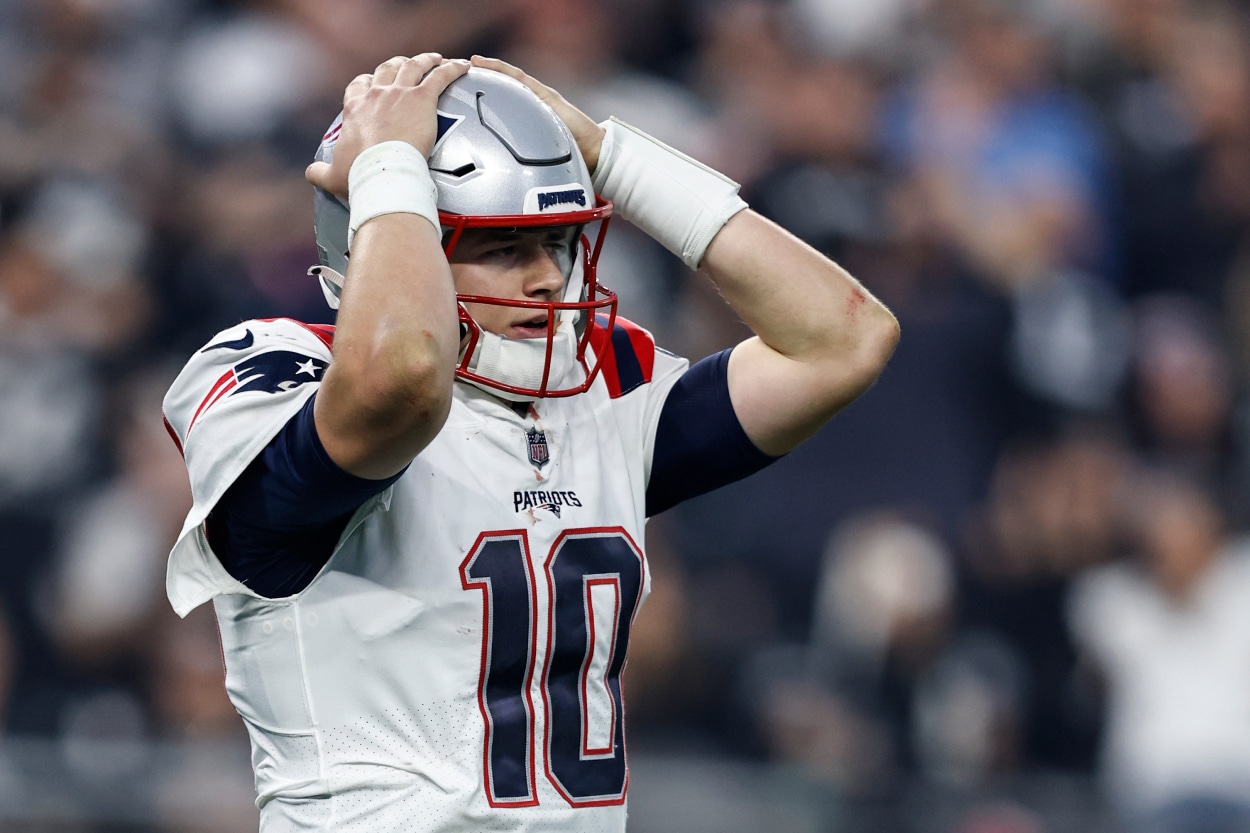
271	372
275	371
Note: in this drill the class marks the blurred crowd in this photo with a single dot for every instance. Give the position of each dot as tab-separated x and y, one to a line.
1022	551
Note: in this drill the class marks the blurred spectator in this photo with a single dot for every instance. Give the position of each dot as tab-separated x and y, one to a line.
745	53
665	685
70	299
847	27
111	569
1052	195
970	712
353	37
236	242
1010	163
824	181
1050	515
887	585
886	686
1008	167
1170	634
924	439
844	705
224	88
1173	84
85	94
1182	402
577	47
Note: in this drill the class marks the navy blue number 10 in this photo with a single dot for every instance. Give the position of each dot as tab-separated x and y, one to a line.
592	580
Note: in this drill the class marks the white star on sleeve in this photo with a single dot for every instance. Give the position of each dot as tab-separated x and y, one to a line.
309	367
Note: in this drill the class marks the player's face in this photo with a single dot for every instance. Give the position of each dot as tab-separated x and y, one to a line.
516	265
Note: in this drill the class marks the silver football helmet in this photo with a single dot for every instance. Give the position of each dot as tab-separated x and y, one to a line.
503	159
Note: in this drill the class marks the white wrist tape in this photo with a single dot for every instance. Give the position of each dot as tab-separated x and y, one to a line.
389	178
679	202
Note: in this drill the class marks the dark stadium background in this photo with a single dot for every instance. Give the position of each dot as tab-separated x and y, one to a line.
1001	593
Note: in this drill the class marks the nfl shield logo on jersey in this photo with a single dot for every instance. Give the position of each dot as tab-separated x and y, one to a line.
536	441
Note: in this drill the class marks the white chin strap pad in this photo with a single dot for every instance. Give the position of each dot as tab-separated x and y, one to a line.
520	362
679	202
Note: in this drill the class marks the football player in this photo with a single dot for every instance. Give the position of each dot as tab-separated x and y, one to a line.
423	529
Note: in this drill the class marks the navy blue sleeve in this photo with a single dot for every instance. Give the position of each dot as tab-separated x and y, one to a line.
277	524
699	443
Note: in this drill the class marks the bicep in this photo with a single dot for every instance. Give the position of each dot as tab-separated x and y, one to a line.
781	401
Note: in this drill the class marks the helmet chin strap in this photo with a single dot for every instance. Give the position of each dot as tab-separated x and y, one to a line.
520	362
331	284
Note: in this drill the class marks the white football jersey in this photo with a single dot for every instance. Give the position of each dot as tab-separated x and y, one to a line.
455	666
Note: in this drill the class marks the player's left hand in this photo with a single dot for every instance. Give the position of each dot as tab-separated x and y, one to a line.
589	136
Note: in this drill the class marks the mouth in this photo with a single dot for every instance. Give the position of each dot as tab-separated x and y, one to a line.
534	327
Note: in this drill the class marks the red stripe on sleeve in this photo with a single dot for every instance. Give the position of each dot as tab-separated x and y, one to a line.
220	388
173	435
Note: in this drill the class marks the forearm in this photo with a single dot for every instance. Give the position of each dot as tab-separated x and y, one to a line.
388	390
821	338
799	302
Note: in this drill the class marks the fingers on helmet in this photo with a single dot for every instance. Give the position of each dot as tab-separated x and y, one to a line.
499	66
445	73
388	69
411	73
509	70
356	87
316	173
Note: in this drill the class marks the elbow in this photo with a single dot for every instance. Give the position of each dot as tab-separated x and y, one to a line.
395	393
875	345
380	404
884	339
851	366
409	391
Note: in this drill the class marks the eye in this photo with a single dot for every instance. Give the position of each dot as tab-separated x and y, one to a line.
560	243
503	251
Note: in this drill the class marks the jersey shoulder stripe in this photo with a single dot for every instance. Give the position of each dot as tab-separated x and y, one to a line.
627	351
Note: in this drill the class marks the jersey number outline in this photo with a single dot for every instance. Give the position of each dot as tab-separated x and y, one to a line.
594	581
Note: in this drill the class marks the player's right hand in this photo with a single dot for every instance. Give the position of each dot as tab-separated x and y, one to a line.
397	101
587	134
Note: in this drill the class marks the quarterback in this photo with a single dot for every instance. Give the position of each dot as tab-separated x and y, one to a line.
422	529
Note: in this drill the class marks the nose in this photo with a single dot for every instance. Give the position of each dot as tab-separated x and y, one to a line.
543	278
